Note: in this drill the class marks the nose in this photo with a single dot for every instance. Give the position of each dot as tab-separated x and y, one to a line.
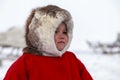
61	36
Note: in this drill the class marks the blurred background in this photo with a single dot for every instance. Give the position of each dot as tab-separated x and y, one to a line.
96	38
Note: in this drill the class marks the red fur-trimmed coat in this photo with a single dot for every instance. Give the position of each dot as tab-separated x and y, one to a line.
34	67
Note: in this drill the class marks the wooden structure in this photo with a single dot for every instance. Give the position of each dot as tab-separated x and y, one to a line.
13	39
106	47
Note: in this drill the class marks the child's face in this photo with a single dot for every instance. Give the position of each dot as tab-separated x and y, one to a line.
61	36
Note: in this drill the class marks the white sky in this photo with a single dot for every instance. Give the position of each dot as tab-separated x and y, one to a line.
94	20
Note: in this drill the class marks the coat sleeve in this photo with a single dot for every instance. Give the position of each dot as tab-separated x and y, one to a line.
85	75
17	71
83	72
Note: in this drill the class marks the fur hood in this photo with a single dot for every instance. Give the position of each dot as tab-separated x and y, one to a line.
40	29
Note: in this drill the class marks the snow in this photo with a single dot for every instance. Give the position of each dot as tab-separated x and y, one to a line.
101	66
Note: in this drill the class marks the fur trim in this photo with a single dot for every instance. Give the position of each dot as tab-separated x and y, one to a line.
43	26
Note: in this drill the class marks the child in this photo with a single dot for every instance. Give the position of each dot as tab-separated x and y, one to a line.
48	36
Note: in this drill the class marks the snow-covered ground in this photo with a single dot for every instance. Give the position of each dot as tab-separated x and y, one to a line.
100	66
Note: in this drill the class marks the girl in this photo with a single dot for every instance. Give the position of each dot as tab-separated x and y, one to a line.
48	36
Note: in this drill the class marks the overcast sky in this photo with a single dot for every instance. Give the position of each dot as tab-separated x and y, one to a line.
94	20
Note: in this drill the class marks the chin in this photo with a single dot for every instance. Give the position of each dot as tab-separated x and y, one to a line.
60	49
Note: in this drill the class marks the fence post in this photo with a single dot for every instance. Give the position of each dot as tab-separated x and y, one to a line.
0	62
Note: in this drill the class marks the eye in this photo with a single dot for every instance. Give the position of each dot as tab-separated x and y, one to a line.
65	32
56	31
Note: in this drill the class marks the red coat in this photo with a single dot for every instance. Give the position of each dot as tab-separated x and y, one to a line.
34	67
